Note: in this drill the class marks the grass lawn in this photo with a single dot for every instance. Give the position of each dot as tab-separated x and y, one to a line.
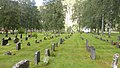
71	54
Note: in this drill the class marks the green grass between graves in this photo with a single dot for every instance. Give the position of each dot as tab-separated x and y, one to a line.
71	54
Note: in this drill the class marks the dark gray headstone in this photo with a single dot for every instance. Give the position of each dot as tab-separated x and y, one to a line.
117	45
9	38
26	38
47	52
45	38
20	35
61	40
8	53
118	37
4	42
92	52
28	44
22	64
37	57
18	46
56	44
16	40
53	47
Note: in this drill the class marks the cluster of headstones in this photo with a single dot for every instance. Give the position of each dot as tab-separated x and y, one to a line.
112	42
25	63
90	49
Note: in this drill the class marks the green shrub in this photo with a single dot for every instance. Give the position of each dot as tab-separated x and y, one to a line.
21	31
34	35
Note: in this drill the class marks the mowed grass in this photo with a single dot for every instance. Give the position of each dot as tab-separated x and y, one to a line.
71	54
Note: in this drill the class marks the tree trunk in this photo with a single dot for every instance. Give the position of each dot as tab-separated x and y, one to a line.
102	29
13	31
109	31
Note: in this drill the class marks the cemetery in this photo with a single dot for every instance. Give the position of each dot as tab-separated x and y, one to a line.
59	33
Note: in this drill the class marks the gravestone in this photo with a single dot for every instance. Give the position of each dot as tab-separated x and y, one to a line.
92	52
28	44
4	42
115	61
9	38
47	52
16	40
8	53
56	44
29	35
53	47
26	38
117	45
45	38
40	40
118	37
87	46
22	64
61	40
37	57
20	35
18	46
6	35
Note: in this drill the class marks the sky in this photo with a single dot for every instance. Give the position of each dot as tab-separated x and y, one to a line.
39	2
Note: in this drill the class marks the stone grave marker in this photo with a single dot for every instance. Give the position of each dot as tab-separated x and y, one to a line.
92	52
53	47
117	45
26	38
118	37
115	61
47	52
28	44
37	57
61	40
8	53
22	64
4	42
18	46
56	44
9	38
16	40
20	35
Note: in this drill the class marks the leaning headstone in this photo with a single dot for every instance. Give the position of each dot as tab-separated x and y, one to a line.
53	47
47	52
18	46
115	61
37	57
22	64
28	44
92	52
